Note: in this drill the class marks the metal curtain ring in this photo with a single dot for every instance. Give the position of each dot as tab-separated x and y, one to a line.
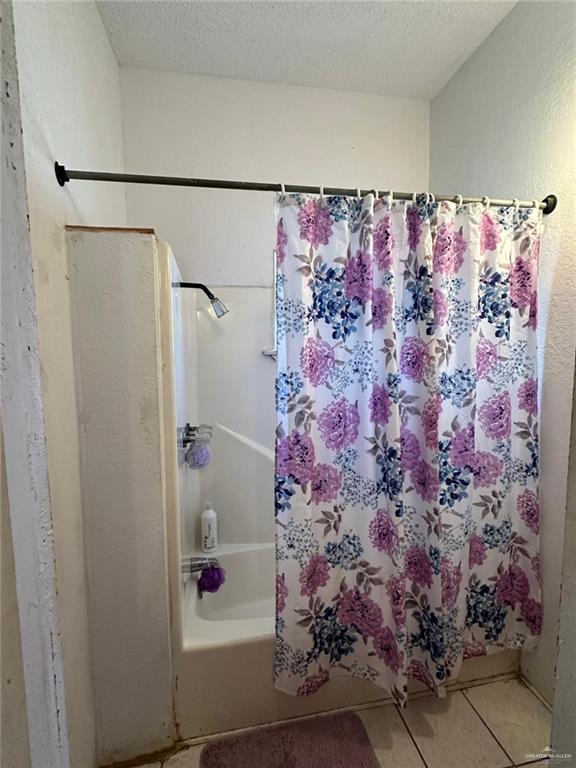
516	204
459	201
486	202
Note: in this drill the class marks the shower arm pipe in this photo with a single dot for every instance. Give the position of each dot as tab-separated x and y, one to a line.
200	287
64	175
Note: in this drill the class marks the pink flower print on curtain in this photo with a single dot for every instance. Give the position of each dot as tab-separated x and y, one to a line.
380	405
317	361
383	534
338	424
407	515
381	307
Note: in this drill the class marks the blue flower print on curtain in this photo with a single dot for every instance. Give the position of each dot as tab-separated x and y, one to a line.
407	513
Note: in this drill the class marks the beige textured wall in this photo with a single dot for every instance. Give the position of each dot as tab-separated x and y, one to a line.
215	127
564	718
14	749
115	287
70	113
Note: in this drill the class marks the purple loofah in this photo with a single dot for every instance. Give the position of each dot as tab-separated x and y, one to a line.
198	456
211	579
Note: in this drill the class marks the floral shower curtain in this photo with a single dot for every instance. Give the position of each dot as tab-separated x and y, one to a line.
407	440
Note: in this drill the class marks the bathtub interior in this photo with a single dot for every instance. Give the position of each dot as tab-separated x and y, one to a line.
239	481
249	594
242	609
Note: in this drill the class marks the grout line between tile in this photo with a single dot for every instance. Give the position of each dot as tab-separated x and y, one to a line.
496	739
411	736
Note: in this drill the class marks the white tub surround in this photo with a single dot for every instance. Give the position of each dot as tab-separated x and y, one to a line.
239	482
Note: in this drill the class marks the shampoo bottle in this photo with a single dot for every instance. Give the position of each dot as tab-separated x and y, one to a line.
209	529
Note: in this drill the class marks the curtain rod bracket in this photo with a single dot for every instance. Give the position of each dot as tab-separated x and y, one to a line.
63	176
550	203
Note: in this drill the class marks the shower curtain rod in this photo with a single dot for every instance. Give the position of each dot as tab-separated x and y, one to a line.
64	175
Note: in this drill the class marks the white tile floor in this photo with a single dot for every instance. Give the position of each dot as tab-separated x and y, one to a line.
495	725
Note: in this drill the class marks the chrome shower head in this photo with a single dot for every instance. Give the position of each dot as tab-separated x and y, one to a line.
219	308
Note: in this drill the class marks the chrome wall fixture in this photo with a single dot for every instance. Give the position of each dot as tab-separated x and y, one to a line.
189	435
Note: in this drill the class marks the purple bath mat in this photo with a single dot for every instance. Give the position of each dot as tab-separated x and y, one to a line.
332	741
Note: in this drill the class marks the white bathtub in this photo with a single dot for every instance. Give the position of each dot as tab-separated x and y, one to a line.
223	673
243	608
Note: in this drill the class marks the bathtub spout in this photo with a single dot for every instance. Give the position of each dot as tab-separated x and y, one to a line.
192	565
210	574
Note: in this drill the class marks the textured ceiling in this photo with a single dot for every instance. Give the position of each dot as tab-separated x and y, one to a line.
391	48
